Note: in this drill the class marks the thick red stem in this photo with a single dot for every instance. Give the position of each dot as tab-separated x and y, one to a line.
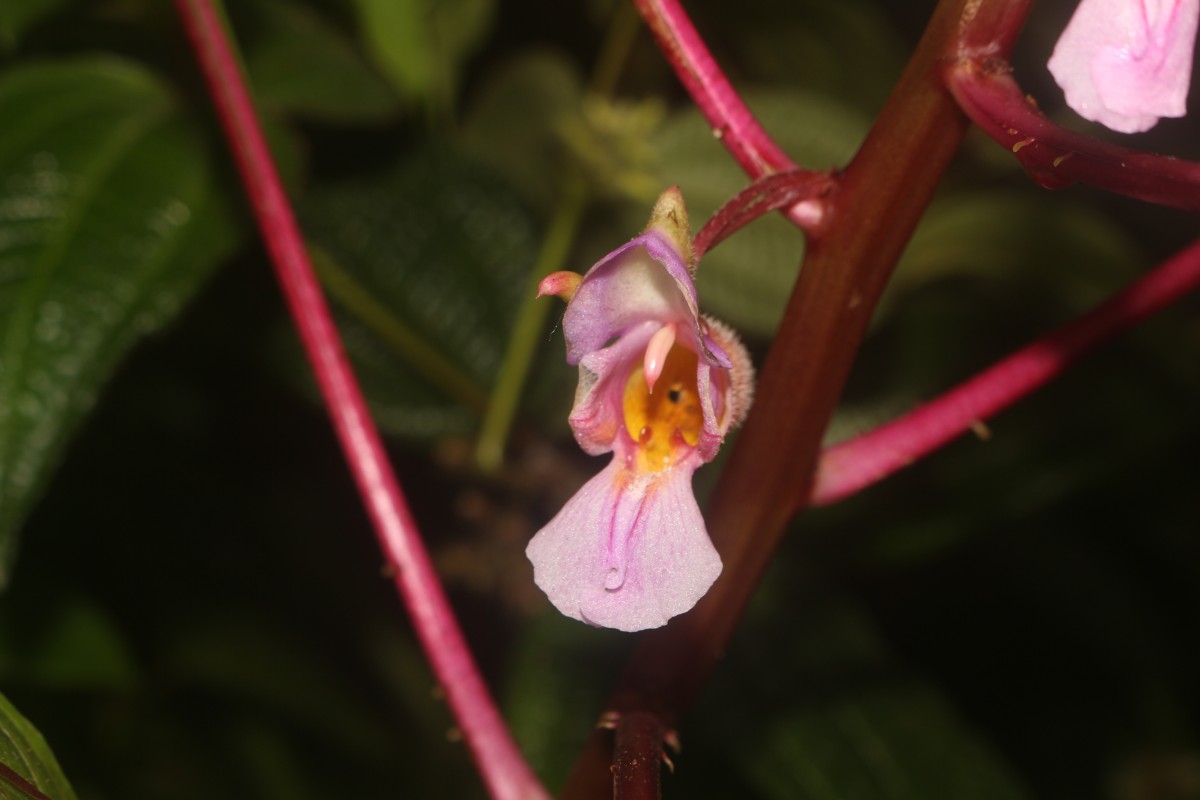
869	219
503	769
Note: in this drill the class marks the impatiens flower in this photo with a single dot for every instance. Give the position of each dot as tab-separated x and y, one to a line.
659	387
1125	63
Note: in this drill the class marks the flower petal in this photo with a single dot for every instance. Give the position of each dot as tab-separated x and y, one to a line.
627	551
1126	63
645	279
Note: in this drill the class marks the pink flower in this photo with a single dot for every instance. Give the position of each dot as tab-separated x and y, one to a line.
659	387
1125	63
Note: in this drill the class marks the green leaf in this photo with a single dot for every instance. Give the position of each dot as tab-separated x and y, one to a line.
25	752
109	220
18	16
513	124
302	64
889	743
429	263
747	279
1067	248
808	42
421	44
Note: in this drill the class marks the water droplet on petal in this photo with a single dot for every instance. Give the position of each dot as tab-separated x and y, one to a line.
614	579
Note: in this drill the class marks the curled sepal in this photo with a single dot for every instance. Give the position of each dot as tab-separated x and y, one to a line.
669	220
628	551
561	284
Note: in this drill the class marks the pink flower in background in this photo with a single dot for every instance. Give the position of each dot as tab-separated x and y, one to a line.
659	387
1126	63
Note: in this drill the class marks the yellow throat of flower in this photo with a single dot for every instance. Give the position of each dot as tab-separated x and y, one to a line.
664	424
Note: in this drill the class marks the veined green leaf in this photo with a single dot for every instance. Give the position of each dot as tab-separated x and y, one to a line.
420	44
427	263
109	220
513	123
24	752
302	64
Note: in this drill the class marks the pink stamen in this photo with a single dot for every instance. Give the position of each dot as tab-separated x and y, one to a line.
656	354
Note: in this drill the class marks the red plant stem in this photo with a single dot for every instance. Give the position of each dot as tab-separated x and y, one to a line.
503	769
732	122
871	216
1056	157
637	757
864	460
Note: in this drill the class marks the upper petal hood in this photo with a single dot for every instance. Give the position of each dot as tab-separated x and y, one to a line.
644	280
648	278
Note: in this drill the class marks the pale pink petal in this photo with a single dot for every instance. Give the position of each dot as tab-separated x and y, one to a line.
628	551
1126	63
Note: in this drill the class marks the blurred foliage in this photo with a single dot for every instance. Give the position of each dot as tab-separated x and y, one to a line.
420	44
198	609
442	247
16	16
84	276
299	63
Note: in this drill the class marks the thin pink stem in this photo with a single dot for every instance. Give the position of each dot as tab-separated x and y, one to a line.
503	769
864	460
732	122
781	190
1056	157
